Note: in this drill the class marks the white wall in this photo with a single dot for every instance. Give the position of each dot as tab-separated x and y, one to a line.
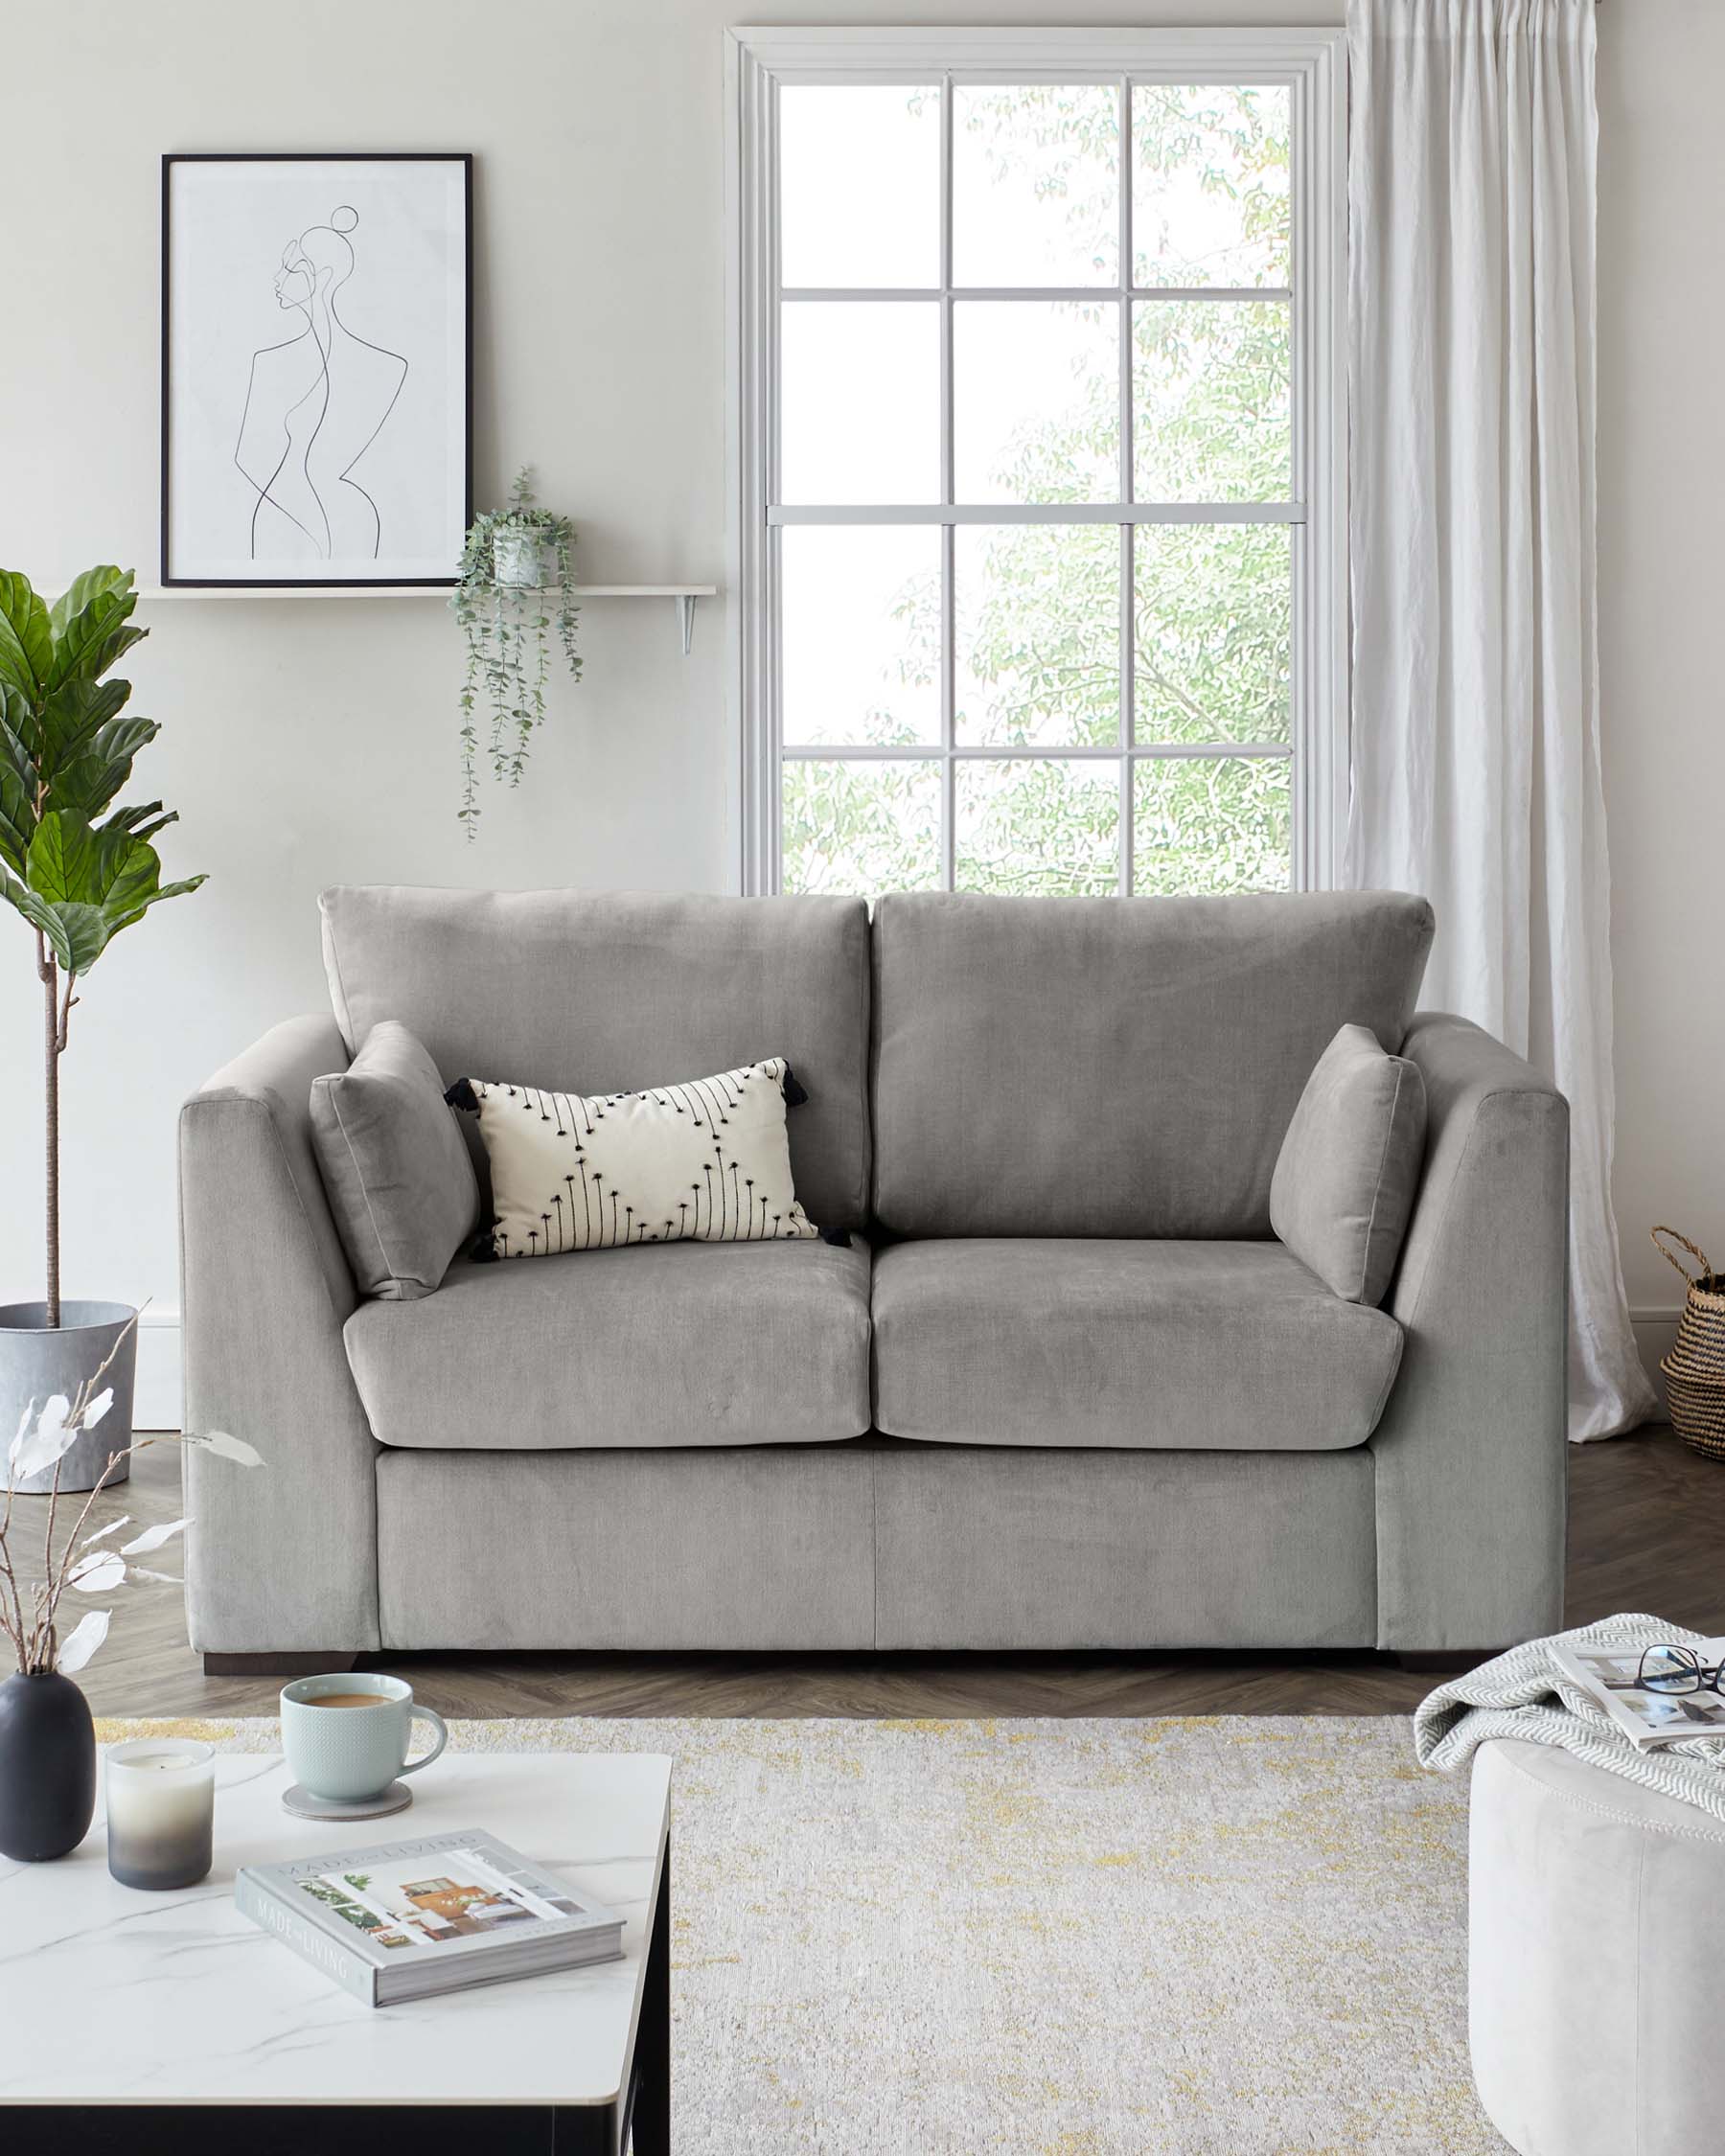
309	741
1662	541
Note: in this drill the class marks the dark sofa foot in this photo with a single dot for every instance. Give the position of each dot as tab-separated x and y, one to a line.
1447	1660
293	1663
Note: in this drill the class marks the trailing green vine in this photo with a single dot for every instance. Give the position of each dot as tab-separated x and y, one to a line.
498	619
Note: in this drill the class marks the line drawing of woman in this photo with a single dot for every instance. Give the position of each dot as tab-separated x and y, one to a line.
313	405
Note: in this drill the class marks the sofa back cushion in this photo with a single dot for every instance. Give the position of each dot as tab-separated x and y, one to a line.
1115	1066
597	993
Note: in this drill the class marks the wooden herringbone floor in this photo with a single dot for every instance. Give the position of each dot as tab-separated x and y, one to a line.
1646	1532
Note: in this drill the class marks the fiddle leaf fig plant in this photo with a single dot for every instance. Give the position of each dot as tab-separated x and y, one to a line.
517	578
76	868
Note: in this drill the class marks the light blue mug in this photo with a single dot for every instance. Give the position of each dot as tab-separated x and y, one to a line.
346	1736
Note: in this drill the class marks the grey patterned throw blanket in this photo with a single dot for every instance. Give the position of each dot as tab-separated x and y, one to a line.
1523	1694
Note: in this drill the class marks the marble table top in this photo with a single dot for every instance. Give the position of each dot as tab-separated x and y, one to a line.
111	1995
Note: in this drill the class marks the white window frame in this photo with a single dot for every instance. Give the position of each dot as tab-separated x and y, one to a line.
1312	63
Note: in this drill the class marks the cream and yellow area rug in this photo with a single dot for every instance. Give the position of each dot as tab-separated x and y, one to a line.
1211	1936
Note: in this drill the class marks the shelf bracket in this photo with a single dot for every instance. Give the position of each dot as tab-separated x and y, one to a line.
685	619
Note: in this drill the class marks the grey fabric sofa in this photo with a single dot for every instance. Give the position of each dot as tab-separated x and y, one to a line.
1062	1390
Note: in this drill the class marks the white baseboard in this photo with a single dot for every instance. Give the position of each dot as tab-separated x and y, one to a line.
158	1397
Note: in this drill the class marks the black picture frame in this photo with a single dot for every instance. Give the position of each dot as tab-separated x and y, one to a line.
171	159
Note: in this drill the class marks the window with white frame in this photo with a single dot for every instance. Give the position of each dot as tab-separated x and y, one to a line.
1037	460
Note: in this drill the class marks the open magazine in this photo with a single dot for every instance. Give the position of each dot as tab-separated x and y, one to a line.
1648	1718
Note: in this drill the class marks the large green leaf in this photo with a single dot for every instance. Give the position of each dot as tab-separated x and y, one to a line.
18	821
18	715
121	739
88	782
145	819
116	921
80	591
128	872
14	749
77	934
25	641
86	785
71	716
64	859
17	790
86	885
95	637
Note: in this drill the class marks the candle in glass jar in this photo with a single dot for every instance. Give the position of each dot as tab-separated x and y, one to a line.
161	1810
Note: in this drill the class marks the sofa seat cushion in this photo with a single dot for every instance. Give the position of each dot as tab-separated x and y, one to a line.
1199	1346
665	1344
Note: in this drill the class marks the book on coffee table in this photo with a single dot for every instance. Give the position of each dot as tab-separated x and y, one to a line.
414	1919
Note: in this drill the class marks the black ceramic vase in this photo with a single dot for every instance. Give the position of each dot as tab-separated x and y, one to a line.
47	1767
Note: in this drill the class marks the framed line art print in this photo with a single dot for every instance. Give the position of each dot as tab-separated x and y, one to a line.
317	368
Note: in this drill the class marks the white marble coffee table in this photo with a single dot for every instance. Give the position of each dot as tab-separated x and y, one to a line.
126	2001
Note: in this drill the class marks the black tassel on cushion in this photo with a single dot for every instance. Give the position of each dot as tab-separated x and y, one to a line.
795	1097
461	1094
482	1249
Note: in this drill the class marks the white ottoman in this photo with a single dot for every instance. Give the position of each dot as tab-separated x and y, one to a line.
1596	1960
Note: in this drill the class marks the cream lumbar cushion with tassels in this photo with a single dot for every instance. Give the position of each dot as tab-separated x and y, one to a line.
702	1161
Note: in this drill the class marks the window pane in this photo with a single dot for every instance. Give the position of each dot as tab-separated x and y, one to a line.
1036	401
860	401
1215	609
1209	184
833	231
1038	611
1036	184
1210	400
1047	827
860	607
1212	824
862	827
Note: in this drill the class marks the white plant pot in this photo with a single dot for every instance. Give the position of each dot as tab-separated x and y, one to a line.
37	1361
519	557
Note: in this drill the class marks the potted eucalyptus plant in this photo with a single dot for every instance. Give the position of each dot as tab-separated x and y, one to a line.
517	583
78	870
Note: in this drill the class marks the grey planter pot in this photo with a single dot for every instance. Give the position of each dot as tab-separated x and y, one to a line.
36	1362
522	558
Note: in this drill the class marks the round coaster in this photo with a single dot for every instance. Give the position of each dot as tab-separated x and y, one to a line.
304	1805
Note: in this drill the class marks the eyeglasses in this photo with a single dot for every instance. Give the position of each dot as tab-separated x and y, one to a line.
1678	1669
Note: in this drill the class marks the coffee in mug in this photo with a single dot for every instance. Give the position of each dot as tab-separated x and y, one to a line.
350	1758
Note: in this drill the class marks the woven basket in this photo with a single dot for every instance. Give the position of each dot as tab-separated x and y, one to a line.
1694	1370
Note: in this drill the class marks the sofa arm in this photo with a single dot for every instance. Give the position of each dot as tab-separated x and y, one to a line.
1470	1452
281	1558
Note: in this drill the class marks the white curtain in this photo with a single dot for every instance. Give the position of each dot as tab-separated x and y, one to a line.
1476	723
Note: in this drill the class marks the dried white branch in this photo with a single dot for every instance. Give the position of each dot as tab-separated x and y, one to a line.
75	1563
98	1573
81	1641
219	1442
153	1538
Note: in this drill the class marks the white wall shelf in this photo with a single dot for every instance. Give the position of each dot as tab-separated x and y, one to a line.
684	595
